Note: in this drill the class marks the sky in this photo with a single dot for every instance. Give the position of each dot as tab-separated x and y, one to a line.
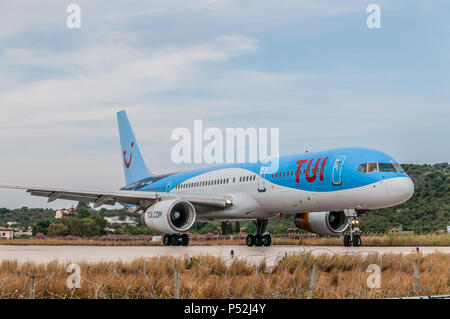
311	68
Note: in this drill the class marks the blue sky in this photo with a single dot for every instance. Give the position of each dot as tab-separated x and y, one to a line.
310	68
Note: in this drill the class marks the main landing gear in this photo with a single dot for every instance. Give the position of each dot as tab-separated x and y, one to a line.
261	238
175	240
354	237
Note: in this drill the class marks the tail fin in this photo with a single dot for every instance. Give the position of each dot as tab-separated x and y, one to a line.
133	163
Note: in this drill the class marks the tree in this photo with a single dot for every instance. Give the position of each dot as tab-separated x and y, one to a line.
82	204
83	212
208	228
85	227
41	227
250	228
224	227
57	229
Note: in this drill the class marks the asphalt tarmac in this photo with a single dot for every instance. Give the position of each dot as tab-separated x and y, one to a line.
45	254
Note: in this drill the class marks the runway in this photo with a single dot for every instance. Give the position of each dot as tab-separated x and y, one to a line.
45	254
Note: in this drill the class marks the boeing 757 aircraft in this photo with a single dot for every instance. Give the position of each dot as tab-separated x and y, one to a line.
324	190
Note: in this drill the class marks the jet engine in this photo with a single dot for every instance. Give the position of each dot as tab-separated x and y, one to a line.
171	216
322	223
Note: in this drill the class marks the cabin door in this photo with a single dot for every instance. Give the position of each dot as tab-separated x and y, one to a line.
336	175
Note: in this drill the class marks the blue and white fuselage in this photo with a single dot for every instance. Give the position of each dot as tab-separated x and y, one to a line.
341	180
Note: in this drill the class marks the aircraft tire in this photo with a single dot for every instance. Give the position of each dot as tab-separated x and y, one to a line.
175	240
258	240
356	240
167	240
250	240
347	241
184	240
267	240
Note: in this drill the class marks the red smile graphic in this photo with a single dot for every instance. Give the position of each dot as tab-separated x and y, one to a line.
127	164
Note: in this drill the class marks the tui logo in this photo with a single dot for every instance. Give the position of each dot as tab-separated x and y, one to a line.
128	163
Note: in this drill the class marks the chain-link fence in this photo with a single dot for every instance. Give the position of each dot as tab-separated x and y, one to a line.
300	275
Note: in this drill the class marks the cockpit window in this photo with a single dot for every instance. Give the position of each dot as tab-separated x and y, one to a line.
398	168
362	168
386	167
372	167
380	167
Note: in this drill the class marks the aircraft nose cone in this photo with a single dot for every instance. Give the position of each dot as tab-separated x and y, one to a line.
399	189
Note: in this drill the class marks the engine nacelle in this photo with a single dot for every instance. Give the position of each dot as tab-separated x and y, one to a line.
322	223
169	216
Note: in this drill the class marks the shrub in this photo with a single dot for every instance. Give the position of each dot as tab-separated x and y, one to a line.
40	236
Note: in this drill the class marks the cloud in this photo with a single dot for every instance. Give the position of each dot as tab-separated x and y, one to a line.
127	72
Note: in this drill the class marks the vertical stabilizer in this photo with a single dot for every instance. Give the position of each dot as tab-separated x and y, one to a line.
133	162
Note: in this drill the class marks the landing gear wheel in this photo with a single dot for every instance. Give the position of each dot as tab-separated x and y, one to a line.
167	240
353	236
250	240
266	240
184	240
175	240
347	241
261	238
356	240
259	241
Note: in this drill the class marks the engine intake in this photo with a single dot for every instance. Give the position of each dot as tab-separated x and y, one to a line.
170	216
322	223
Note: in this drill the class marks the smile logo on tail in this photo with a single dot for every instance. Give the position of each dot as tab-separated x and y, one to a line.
128	163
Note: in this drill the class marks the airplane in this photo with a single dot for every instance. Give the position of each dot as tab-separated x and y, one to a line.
324	191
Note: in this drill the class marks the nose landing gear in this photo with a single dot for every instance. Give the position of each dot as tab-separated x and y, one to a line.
261	238
354	236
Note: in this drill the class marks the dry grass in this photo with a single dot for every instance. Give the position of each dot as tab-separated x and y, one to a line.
379	240
338	276
387	240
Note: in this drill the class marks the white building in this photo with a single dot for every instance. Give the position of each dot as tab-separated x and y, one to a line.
6	234
116	220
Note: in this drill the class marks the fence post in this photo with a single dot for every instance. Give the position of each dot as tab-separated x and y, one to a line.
416	278
31	295
312	281
177	292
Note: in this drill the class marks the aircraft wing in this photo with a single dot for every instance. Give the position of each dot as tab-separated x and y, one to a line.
138	198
